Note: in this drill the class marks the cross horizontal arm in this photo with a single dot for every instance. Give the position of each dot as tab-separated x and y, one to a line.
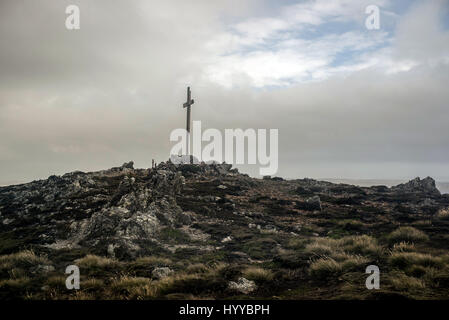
188	104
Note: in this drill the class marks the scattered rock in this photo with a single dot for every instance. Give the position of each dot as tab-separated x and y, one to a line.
227	239
161	272
111	252
44	268
243	285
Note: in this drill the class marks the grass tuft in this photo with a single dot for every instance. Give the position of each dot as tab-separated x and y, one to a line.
258	274
408	234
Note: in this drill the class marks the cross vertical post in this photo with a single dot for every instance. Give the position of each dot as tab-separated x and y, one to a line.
187	105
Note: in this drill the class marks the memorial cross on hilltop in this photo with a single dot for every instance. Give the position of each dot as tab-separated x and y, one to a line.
187	105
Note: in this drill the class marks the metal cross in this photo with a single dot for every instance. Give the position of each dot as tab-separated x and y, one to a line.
187	105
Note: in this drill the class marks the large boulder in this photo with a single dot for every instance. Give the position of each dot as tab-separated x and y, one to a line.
426	185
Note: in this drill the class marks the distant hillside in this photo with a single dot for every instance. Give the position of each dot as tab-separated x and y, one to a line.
442	186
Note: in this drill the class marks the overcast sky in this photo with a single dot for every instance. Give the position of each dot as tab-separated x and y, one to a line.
348	102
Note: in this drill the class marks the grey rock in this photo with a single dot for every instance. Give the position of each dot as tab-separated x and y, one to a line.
44	268
226	239
426	185
128	165
161	272
243	285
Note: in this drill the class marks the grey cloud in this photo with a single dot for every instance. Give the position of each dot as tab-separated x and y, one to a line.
113	91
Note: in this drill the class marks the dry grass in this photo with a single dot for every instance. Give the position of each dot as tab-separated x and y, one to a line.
403	247
402	282
56	282
197	268
19	283
22	259
337	256
408	234
90	261
297	243
154	261
167	284
351	262
258	274
320	248
82	295
360	245
364	245
403	260
92	284
325	268
133	288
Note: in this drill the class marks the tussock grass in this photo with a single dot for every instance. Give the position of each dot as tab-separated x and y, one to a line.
132	287
403	247
296	243
402	260
193	283
429	274
338	256
402	282
92	284
408	234
82	295
56	282
321	248
165	284
364	245
197	268
325	268
359	245
154	261
22	259
91	260
351	262
258	274
19	283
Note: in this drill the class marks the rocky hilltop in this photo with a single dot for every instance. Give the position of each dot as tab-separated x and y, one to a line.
211	213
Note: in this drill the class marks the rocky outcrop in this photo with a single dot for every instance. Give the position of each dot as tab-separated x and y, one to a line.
426	185
125	212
